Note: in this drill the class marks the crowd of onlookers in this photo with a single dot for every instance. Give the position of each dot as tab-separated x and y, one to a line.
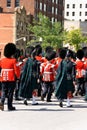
41	73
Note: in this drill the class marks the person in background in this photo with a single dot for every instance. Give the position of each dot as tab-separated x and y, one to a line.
28	53
19	64
29	79
80	73
64	79
71	74
10	73
85	77
40	60
48	74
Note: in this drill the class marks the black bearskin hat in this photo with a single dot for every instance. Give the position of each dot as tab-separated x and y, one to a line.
62	53
80	54
48	48
17	53
9	50
85	51
29	50
51	55
70	53
38	50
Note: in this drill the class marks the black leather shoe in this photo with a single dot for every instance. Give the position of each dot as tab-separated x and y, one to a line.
11	108
25	102
61	104
49	101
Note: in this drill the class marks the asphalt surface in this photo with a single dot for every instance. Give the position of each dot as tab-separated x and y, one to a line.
45	116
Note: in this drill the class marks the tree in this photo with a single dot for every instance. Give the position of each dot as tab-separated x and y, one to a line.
84	40
51	33
74	37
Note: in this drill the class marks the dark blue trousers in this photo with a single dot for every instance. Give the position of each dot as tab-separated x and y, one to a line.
7	92
47	89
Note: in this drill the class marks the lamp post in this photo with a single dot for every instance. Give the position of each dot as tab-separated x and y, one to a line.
24	39
20	43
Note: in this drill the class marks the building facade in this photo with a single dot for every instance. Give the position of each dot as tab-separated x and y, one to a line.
15	15
54	9
13	28
75	10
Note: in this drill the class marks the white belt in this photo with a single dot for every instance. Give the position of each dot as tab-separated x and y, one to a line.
48	72
7	69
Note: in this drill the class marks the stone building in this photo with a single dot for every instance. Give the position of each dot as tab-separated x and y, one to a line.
13	28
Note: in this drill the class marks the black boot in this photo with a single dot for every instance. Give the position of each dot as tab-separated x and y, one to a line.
25	102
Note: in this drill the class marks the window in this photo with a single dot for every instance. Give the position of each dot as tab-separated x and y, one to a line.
52	10
56	1
56	10
52	19
40	6
8	3
67	5
80	13
44	7
53	1
80	5
49	9
67	13
17	3
36	5
86	6
73	13
73	6
85	13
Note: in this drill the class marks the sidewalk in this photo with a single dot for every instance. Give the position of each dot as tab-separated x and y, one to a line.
45	116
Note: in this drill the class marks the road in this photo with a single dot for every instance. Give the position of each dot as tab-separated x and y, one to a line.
45	116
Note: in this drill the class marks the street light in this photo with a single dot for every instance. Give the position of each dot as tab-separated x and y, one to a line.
24	39
21	44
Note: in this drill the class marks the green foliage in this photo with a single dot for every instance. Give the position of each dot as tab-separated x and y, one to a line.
74	37
84	39
51	33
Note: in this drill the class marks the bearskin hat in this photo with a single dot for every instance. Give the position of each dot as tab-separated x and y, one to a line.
80	54
48	48
38	49
9	50
70	53
62	53
17	53
51	55
29	50
85	51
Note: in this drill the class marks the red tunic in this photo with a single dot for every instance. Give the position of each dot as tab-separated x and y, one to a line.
58	60
48	71
41	59
80	68
9	69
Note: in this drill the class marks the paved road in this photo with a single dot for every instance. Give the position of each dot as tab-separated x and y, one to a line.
45	116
